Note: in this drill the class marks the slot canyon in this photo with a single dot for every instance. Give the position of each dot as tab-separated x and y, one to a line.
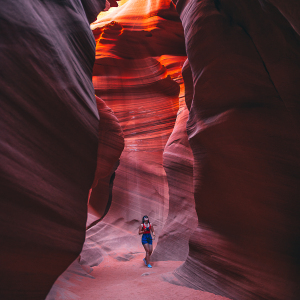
187	111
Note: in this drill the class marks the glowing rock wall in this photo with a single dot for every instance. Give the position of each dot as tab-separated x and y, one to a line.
242	107
139	54
110	147
48	148
243	128
178	164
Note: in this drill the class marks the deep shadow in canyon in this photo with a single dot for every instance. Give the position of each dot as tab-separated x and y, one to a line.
195	123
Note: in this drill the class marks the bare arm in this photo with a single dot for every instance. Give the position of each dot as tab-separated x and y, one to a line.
153	233
141	231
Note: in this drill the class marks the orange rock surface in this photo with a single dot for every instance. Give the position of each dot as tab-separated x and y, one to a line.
203	99
139	54
243	127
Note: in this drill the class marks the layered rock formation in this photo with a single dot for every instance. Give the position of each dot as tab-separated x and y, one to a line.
139	54
178	164
243	167
243	128
49	122
110	147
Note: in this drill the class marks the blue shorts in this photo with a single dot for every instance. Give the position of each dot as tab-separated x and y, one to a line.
147	238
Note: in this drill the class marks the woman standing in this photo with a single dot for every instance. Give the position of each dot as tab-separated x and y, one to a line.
146	228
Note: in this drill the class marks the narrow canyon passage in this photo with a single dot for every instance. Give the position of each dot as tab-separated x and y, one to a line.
181	133
184	110
137	73
145	91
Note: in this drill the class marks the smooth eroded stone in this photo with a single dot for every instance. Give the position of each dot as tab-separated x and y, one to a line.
110	147
49	141
178	164
139	54
243	129
182	218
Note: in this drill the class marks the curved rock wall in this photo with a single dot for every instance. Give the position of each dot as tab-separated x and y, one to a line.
178	164
48	148
243	128
242	106
110	147
139	54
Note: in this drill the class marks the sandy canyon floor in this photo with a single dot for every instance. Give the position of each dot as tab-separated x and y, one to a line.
123	277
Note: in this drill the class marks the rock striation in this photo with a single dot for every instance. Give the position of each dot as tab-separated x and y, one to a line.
49	140
139	54
243	128
178	164
110	147
214	160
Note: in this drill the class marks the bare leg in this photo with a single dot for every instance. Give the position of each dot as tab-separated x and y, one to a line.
147	246
145	258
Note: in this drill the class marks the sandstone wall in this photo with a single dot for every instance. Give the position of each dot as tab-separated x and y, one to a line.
48	148
139	54
238	157
243	128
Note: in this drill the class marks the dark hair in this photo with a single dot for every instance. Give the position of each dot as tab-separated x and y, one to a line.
144	218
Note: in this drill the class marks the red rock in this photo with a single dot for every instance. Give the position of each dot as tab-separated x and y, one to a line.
243	128
145	101
48	149
188	83
182	219
139	54
139	29
110	147
93	7
110	139
178	164
290	10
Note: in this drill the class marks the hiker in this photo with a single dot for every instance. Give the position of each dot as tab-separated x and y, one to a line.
146	228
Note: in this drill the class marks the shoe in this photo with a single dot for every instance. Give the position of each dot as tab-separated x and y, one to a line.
149	266
145	261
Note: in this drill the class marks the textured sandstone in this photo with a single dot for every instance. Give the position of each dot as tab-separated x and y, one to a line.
110	140
145	101
110	147
48	149
139	54
178	164
182	219
242	106
243	128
